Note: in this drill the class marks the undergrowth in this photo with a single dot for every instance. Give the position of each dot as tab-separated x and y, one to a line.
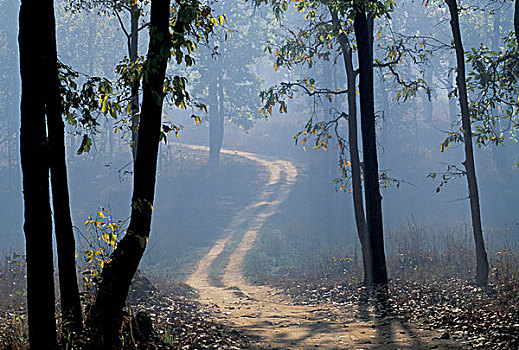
413	253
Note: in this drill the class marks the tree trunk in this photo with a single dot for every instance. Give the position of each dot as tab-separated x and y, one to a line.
496	30
12	98
133	47
377	274
481	254
117	275
356	181
91	42
33	19
453	107
216	121
426	101
66	245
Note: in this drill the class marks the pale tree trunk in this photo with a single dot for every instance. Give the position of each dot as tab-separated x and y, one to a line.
91	42
216	120
377	274
356	181
496	32
496	153
384	135
481	254
12	97
427	102
453	114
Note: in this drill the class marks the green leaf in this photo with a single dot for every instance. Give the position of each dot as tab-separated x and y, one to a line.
86	143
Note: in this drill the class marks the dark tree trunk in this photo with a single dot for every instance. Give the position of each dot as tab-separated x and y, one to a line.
133	47
117	275
356	181
377	274
481	254
216	122
34	17
66	246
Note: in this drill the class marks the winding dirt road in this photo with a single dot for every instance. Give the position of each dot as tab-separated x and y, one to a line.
266	313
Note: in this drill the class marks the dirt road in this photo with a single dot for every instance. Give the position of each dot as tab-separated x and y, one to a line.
266	313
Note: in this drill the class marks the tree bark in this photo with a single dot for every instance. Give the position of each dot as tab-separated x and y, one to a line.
118	273
356	181
33	18
481	254
377	274
66	245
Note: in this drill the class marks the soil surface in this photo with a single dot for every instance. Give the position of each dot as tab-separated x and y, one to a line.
268	314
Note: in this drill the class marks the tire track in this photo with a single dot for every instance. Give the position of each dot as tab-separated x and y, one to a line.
268	314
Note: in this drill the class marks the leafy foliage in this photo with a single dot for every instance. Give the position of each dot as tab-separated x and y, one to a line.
494	83
99	96
101	236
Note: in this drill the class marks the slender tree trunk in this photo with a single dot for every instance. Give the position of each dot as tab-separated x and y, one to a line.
66	245
117	275
494	46
221	115
133	48
426	101
453	108
496	30
35	168
12	100
91	42
481	254
375	238
356	181
216	120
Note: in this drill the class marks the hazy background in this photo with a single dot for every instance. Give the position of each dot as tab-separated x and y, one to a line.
194	204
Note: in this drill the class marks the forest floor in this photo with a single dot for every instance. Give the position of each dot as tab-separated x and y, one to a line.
270	315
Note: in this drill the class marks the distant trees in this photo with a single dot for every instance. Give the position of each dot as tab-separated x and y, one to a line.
9	109
134	9
225	77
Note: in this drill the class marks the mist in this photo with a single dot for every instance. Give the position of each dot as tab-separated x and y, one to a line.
240	153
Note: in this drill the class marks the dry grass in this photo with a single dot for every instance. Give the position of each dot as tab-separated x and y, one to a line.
413	253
